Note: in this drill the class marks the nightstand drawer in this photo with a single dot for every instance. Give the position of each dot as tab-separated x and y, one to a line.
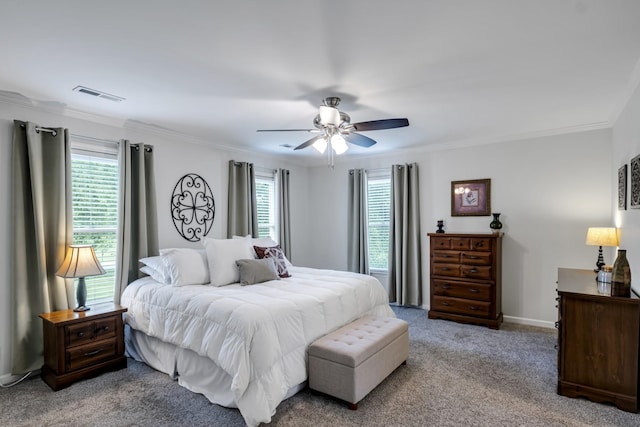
474	291
83	333
88	355
461	306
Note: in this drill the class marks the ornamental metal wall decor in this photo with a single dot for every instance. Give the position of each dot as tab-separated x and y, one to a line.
635	182
192	207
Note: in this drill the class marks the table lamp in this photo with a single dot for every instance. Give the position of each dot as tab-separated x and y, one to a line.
601	236
80	261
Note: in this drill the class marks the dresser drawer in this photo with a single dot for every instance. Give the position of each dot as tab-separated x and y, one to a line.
440	243
86	332
446	257
475	258
462	243
87	355
451	270
474	291
480	244
461	306
475	272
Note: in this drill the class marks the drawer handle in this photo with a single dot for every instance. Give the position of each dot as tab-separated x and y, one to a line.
93	353
444	268
80	334
474	291
556	325
446	303
474	308
473	270
445	256
471	256
446	287
104	329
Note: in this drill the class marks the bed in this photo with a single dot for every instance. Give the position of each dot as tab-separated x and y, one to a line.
243	346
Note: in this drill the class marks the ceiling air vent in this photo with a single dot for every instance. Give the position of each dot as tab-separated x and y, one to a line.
98	94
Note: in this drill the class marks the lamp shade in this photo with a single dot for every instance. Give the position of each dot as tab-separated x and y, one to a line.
602	236
80	261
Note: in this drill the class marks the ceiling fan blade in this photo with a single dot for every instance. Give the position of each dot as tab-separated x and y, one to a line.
357	139
380	124
288	130
309	142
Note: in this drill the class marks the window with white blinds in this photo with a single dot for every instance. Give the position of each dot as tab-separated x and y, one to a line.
266	203
94	180
378	207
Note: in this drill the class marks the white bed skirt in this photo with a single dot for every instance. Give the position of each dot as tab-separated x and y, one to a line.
196	373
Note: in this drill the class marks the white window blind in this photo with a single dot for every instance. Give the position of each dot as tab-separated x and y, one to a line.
94	178
378	206
266	203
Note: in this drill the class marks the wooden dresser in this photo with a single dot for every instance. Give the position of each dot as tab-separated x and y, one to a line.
81	345
466	271
598	341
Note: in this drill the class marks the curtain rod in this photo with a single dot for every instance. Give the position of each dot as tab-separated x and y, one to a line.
41	129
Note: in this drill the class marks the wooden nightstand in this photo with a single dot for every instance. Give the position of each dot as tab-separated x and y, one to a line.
82	345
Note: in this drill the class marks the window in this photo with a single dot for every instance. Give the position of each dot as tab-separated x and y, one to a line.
266	201
378	207
94	182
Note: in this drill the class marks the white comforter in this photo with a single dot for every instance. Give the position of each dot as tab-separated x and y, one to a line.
258	334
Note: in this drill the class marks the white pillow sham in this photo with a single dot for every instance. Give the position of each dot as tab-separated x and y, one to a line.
222	255
155	274
186	266
157	264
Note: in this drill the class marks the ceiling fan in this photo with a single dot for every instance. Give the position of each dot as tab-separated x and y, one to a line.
336	129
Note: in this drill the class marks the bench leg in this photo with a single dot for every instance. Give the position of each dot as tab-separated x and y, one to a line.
353	406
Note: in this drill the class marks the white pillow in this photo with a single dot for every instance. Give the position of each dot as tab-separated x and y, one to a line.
186	266
157	264
222	255
155	274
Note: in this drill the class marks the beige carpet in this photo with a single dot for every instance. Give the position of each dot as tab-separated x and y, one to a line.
456	375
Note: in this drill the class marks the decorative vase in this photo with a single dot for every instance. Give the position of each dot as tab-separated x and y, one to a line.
496	224
440	225
621	276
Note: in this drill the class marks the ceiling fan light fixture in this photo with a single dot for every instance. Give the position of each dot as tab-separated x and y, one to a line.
320	145
338	144
329	116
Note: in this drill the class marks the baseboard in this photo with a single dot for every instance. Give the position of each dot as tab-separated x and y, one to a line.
530	322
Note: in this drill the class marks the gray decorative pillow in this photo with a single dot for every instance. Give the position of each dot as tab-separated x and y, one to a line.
254	271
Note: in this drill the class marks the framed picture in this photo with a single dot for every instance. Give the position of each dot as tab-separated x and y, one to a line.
471	198
635	182
622	187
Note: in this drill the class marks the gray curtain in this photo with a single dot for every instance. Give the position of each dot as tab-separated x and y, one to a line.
284	229
42	227
357	232
137	212
242	209
405	272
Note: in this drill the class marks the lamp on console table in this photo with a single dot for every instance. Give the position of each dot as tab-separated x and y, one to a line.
80	261
601	236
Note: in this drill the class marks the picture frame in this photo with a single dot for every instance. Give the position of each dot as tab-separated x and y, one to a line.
634	171
622	187
471	197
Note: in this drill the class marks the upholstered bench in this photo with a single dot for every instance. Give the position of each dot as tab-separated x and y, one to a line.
350	362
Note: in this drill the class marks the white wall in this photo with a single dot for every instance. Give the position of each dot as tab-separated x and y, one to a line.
175	156
626	146
549	191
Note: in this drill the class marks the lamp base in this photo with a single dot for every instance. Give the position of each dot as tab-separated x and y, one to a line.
82	308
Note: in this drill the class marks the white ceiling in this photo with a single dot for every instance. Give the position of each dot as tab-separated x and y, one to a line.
461	71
